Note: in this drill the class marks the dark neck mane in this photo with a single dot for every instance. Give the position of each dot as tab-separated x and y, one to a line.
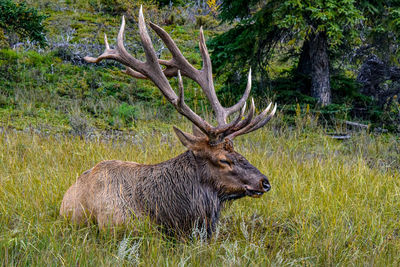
178	198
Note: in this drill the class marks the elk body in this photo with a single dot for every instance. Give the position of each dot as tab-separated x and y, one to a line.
184	191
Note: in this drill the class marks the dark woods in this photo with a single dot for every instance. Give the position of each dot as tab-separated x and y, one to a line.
315	52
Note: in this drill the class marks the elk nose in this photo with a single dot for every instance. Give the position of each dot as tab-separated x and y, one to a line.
265	184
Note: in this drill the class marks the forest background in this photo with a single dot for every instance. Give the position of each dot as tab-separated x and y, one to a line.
333	60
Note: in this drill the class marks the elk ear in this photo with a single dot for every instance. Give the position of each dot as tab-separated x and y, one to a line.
197	132
188	140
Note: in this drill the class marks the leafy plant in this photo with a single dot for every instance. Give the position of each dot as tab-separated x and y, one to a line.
127	113
24	21
214	6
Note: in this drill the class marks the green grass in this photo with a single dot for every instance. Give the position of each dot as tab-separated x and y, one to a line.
331	203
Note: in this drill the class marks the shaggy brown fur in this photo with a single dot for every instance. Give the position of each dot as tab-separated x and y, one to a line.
178	194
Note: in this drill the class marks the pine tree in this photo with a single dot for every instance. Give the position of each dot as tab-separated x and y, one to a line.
316	25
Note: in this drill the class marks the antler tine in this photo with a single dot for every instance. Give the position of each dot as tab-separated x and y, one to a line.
207	66
134	73
242	100
106	42
120	54
184	109
226	127
263	122
181	99
208	83
247	119
258	120
108	53
151	57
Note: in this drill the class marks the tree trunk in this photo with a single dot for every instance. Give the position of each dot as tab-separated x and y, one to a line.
320	85
303	71
304	66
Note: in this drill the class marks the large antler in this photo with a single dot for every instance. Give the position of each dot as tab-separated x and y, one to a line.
151	70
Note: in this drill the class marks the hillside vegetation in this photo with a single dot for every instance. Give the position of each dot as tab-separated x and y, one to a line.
53	89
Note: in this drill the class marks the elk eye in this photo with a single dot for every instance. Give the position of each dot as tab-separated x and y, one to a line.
225	162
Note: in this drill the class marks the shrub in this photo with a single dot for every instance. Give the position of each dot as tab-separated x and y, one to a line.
79	125
126	113
4	101
25	22
206	21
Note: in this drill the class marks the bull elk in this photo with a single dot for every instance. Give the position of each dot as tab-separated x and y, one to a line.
186	190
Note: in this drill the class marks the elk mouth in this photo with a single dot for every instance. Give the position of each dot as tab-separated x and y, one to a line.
246	192
233	196
253	193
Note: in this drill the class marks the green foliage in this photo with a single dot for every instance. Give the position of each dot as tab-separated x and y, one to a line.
4	101
175	19
390	117
168	2
346	89
3	40
299	17
382	27
336	18
113	7
248	44
118	7
232	9
272	33
44	81
206	21
26	22
127	113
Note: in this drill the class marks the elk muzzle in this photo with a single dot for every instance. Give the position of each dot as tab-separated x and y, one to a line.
263	186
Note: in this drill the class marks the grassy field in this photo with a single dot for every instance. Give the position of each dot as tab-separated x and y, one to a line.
331	203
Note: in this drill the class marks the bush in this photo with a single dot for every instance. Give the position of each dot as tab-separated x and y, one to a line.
23	21
79	125
126	113
206	21
4	101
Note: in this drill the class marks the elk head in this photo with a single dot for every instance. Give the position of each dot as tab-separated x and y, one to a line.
221	166
228	171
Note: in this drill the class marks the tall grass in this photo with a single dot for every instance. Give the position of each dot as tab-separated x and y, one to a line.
331	203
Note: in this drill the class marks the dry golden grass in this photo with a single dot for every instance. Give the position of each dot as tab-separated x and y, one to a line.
331	203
